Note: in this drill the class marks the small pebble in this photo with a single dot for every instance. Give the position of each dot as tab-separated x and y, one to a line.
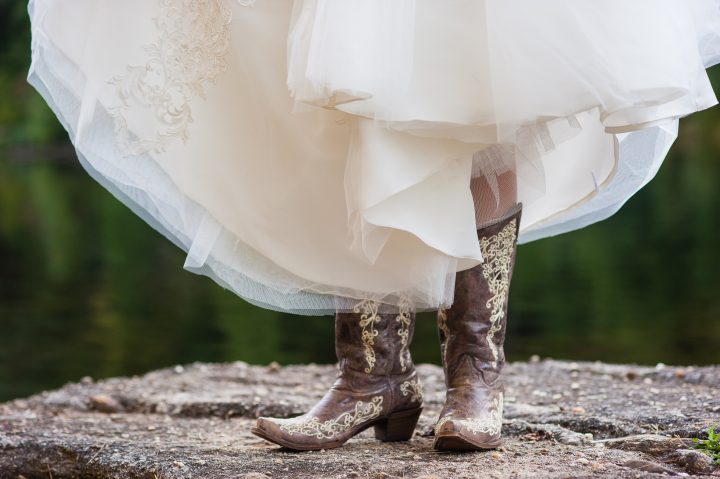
104	403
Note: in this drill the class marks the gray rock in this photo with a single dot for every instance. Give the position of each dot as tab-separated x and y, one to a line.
652	444
193	421
692	461
552	431
647	466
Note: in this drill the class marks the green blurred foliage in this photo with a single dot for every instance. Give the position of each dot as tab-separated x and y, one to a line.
87	288
24	116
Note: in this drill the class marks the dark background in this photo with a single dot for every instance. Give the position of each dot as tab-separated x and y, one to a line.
87	288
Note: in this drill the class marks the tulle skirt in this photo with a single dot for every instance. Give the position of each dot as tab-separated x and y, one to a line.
309	154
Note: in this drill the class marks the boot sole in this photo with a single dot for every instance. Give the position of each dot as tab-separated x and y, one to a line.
398	426
460	443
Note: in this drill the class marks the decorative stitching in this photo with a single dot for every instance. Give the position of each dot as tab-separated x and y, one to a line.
368	318
404	317
414	389
490	423
487	424
443	327
497	252
311	426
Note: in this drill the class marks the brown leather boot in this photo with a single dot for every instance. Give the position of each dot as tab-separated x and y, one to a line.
472	333
376	385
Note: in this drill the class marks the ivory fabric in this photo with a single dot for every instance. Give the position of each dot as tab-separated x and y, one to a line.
309	154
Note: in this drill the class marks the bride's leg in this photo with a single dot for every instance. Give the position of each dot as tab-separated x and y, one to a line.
493	197
472	331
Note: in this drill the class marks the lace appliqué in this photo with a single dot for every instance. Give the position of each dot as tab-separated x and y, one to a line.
331	428
414	389
497	251
194	38
488	423
368	318
404	318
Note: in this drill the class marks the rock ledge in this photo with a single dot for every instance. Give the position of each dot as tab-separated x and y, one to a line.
562	419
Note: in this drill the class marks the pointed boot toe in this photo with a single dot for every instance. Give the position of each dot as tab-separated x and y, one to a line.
301	433
459	435
269	429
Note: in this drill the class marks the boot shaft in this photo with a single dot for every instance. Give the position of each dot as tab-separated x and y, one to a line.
472	331
374	339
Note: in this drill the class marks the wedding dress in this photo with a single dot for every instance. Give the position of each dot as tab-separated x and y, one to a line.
307	154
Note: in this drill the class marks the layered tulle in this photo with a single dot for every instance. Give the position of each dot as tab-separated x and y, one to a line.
479	64
314	153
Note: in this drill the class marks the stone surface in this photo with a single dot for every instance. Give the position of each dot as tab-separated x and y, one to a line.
692	461
562	419
653	444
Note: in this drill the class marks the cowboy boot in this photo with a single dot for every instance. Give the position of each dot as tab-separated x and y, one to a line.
376	385
472	332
